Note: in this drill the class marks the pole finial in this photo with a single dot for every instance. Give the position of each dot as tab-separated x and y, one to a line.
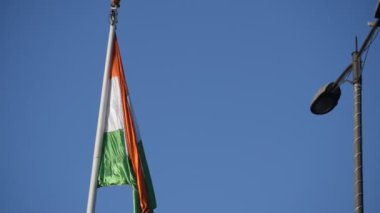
356	43
115	3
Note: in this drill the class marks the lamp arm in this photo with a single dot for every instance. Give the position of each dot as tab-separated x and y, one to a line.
369	37
340	80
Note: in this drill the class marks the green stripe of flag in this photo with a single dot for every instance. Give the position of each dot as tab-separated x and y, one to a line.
114	168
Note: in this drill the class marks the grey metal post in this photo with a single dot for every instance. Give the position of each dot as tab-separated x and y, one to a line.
358	164
102	114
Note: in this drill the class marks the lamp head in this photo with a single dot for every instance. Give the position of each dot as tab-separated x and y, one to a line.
326	99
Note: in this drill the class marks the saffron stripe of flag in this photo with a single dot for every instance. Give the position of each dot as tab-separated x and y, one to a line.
123	159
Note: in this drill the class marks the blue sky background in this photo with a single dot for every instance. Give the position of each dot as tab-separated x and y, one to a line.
221	91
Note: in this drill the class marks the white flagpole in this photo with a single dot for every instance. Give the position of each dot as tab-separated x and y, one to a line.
102	112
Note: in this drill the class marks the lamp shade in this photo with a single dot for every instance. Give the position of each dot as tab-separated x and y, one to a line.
326	99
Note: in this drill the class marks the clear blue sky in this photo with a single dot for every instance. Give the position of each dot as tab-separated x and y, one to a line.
221	91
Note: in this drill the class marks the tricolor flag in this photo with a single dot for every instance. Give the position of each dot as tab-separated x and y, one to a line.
123	160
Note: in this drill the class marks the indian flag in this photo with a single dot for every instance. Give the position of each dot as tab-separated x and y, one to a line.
123	160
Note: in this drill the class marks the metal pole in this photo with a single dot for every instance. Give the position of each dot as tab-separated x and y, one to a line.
357	81
102	114
358	164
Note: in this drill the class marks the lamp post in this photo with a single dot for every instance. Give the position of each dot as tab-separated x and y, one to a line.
328	96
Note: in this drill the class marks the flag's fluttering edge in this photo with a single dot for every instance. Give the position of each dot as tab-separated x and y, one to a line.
123	160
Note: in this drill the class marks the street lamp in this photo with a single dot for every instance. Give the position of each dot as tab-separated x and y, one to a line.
326	99
328	96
